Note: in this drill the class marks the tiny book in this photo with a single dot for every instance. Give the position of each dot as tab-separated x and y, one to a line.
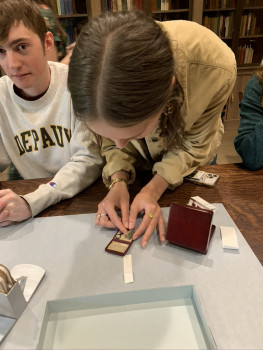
190	227
120	243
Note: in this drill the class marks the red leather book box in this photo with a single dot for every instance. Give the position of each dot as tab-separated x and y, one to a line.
190	227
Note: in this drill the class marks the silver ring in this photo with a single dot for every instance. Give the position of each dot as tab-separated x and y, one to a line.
100	215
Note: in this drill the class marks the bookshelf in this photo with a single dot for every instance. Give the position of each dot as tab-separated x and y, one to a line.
73	15
167	10
244	35
240	25
249	41
161	10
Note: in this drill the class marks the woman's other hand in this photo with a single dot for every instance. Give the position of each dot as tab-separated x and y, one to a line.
146	200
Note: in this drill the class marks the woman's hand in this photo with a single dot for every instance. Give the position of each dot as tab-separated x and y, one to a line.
146	200
118	197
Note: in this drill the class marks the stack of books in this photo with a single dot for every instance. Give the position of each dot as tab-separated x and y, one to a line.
219	4
65	7
167	5
122	5
71	7
245	54
221	25
248	24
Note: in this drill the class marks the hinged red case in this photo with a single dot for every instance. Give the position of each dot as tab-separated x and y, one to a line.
190	227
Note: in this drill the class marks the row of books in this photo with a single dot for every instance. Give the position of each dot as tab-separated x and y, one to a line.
248	24
245	54
252	3
70	7
221	25
123	5
156	5
219	4
65	7
167	5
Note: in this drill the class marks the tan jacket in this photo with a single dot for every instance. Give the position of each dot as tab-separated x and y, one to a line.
206	70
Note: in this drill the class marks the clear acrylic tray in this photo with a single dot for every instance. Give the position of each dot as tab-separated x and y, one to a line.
164	318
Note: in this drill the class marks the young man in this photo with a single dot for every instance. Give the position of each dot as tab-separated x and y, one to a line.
38	131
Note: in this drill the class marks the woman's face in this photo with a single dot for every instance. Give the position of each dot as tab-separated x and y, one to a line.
123	135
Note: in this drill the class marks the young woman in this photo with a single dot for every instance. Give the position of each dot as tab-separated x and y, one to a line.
154	92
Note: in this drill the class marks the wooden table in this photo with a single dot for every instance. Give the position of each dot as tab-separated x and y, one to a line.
240	190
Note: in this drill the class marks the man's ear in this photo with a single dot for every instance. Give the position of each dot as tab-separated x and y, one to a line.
49	42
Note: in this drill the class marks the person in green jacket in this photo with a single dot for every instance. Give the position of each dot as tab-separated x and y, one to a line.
249	141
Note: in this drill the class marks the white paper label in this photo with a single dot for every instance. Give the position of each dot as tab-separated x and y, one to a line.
229	237
127	269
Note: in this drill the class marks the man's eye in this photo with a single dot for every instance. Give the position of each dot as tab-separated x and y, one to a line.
2	51
21	47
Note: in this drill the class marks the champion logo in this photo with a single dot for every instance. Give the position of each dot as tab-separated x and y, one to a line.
52	184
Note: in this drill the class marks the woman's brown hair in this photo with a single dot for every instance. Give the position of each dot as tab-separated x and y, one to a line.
122	70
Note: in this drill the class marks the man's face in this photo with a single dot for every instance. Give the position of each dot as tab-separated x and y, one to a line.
23	59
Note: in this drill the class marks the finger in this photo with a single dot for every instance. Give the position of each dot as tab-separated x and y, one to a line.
4	215
105	221
147	235
146	222
134	210
115	219
4	192
2	204
5	223
125	214
99	217
161	229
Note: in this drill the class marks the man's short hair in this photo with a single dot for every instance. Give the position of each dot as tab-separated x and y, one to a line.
21	11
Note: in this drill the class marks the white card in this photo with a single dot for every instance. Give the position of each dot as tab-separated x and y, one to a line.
33	275
127	269
229	237
200	202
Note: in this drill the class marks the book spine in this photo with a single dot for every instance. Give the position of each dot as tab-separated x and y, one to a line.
119	5
114	6
227	26
249	20
74	7
130	5
138	4
253	25
66	4
153	5
124	5
59	8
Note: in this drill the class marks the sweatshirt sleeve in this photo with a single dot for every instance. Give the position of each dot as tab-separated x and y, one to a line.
249	141
83	168
4	158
